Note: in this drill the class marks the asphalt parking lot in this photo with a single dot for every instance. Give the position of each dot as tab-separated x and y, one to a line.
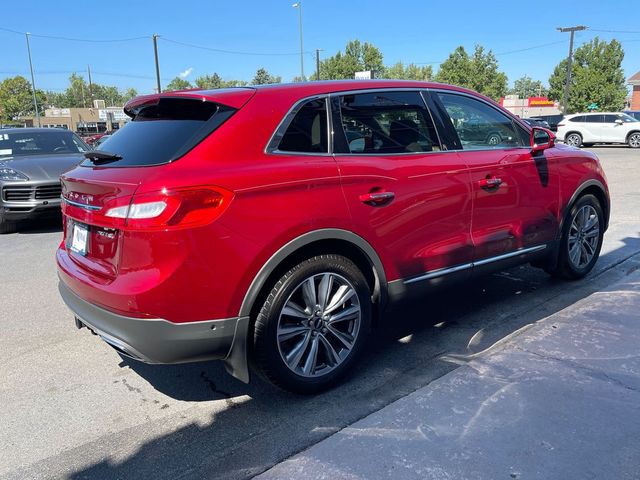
73	408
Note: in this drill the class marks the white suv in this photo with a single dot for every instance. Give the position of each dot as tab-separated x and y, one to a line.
604	127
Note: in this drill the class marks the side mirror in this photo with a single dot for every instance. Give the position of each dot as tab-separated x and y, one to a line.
619	121
541	139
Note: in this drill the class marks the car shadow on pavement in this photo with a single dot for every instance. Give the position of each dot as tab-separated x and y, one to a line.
257	425
43	225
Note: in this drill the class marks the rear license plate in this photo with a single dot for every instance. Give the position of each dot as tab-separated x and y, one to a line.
79	238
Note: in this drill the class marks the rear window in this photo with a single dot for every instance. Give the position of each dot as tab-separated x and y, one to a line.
29	142
163	131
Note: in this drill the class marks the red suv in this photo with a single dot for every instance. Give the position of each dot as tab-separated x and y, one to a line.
270	225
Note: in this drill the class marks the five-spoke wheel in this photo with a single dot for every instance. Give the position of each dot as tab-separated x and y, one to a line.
573	140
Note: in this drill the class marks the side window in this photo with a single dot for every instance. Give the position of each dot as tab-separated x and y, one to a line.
578	119
387	122
481	126
611	118
594	119
307	132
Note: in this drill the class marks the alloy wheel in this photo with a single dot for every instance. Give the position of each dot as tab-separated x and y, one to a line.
634	140
584	235
319	324
574	140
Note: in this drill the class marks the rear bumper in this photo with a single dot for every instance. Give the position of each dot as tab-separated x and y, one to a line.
14	211
154	340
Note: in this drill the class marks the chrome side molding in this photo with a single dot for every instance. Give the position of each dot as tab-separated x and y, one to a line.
446	271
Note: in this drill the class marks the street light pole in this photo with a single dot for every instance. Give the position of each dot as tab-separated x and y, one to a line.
155	52
318	64
33	81
572	30
298	5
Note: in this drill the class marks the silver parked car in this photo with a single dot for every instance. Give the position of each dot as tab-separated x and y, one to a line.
31	162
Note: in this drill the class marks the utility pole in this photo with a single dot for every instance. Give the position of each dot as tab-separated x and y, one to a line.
298	5
572	30
317	64
155	52
90	84
33	81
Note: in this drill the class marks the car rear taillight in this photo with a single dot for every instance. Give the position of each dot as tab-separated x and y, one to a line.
560	125
168	208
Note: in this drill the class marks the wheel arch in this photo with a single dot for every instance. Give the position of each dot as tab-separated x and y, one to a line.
571	132
595	188
328	240
631	133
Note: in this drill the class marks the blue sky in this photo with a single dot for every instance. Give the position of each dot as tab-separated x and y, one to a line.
409	31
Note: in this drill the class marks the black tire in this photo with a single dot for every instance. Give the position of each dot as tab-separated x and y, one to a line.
267	346
494	139
566	267
573	139
633	140
7	227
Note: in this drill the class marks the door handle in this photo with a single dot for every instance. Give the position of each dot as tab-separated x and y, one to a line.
490	182
376	199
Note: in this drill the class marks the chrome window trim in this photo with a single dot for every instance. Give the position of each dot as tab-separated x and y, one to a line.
274	141
482	100
476	263
417	90
92	208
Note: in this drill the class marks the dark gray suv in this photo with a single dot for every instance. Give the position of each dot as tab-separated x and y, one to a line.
31	162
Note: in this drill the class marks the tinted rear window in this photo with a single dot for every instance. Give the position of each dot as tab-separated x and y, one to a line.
164	131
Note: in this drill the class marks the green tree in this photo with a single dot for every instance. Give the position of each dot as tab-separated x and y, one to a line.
596	77
477	72
178	84
130	93
215	81
410	71
527	87
263	77
357	57
16	98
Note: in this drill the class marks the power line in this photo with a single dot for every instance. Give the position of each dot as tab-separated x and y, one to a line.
231	52
72	39
529	48
613	31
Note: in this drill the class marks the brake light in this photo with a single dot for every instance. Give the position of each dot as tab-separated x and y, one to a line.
169	208
561	125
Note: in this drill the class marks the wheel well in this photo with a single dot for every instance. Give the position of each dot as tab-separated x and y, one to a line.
602	198
572	132
631	133
319	247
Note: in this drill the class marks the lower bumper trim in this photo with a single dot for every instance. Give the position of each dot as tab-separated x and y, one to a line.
155	340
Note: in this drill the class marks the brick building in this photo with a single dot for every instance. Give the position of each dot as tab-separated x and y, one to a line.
634	81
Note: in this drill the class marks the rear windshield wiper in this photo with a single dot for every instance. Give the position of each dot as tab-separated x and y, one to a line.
98	157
